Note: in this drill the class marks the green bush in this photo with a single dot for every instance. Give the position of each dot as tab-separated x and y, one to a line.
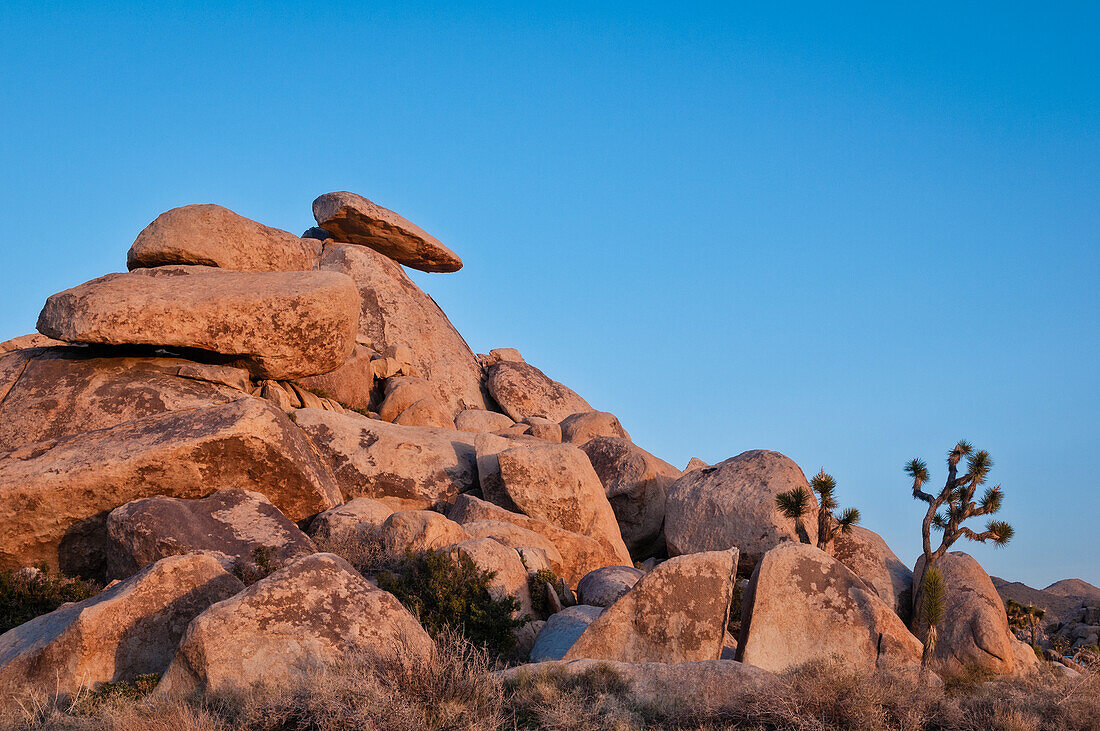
25	594
540	602
446	592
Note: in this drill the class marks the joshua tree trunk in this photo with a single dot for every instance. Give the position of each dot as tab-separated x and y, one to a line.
929	649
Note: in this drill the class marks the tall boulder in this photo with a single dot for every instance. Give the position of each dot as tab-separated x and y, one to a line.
556	483
636	484
374	459
523	390
801	605
130	629
867	555
579	553
55	495
277	324
676	613
974	632
354	219
733	504
211	235
395	312
235	523
315	612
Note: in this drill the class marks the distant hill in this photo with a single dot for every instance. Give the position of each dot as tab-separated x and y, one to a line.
1059	599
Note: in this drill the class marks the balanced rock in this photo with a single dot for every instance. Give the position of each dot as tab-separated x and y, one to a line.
395	312
636	484
235	523
416	531
509	575
277	324
353	219
561	632
523	390
676	613
210	235
481	421
580	428
355	520
974	632
371	458
314	612
498	355
130	629
60	392
733	504
867	555
556	483
580	553
55	495
603	587
801	605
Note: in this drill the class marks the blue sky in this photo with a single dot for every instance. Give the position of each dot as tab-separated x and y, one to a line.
851	235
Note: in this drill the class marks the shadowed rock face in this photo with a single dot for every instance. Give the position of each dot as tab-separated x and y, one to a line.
636	484
353	219
130	629
603	587
55	495
676	613
279	325
580	553
232	522
562	630
801	605
395	312
60	392
867	555
374	459
974	631
316	611
523	390
211	235
733	504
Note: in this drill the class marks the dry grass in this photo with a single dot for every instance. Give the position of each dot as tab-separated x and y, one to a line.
457	690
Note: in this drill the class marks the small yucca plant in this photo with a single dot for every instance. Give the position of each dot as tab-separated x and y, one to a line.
933	604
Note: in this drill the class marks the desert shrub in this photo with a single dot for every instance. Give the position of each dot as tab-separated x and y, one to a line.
449	592
540	601
261	566
594	699
363	551
28	593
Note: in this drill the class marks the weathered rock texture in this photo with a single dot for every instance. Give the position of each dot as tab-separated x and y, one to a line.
555	483
55	495
232	522
974	631
867	555
636	484
31	340
371	458
676	613
579	428
316	611
801	605
130	629
277	324
356	220
733	504
395	312
210	235
523	390
580	553
61	392
603	587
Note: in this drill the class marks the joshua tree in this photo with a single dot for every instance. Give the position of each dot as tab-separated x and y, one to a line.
932	610
957	500
827	526
795	505
1025	617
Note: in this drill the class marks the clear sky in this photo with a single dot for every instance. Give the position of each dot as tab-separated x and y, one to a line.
853	235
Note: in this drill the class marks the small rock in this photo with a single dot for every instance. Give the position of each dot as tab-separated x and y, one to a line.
561	631
603	587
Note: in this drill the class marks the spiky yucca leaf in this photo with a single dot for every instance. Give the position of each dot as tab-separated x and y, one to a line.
933	597
978	466
847	519
991	500
1002	532
939	521
794	503
917	469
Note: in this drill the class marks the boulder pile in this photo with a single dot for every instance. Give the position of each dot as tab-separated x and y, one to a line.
207	430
